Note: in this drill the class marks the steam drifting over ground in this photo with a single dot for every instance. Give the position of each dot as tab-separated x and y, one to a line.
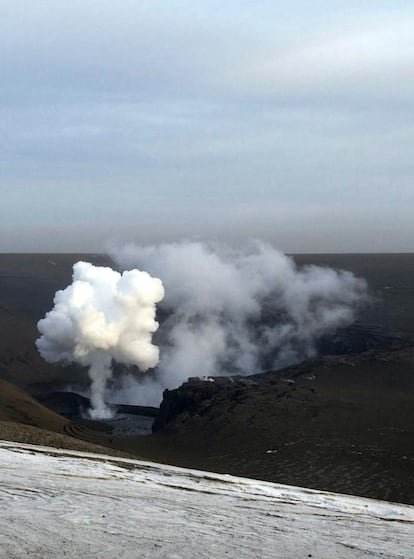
102	316
225	311
232	311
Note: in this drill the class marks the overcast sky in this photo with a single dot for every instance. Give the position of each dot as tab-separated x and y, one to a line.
155	120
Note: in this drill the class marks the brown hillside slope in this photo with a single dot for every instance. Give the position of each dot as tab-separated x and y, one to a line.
23	419
17	406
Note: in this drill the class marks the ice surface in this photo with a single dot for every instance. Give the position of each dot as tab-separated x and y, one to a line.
59	503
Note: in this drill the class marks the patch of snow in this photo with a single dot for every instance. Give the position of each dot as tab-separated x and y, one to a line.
59	503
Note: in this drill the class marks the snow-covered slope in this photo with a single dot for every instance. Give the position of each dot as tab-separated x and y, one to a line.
59	503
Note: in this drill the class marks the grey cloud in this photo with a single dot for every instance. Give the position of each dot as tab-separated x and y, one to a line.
215	119
374	64
140	50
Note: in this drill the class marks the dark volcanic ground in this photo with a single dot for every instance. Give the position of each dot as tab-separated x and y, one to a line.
343	423
340	424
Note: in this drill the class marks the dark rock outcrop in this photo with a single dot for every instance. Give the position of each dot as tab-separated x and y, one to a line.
339	423
194	397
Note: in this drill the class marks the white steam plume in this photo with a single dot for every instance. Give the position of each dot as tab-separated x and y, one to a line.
236	311
102	316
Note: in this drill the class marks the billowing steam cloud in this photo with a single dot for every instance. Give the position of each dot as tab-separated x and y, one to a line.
102	316
225	311
236	311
